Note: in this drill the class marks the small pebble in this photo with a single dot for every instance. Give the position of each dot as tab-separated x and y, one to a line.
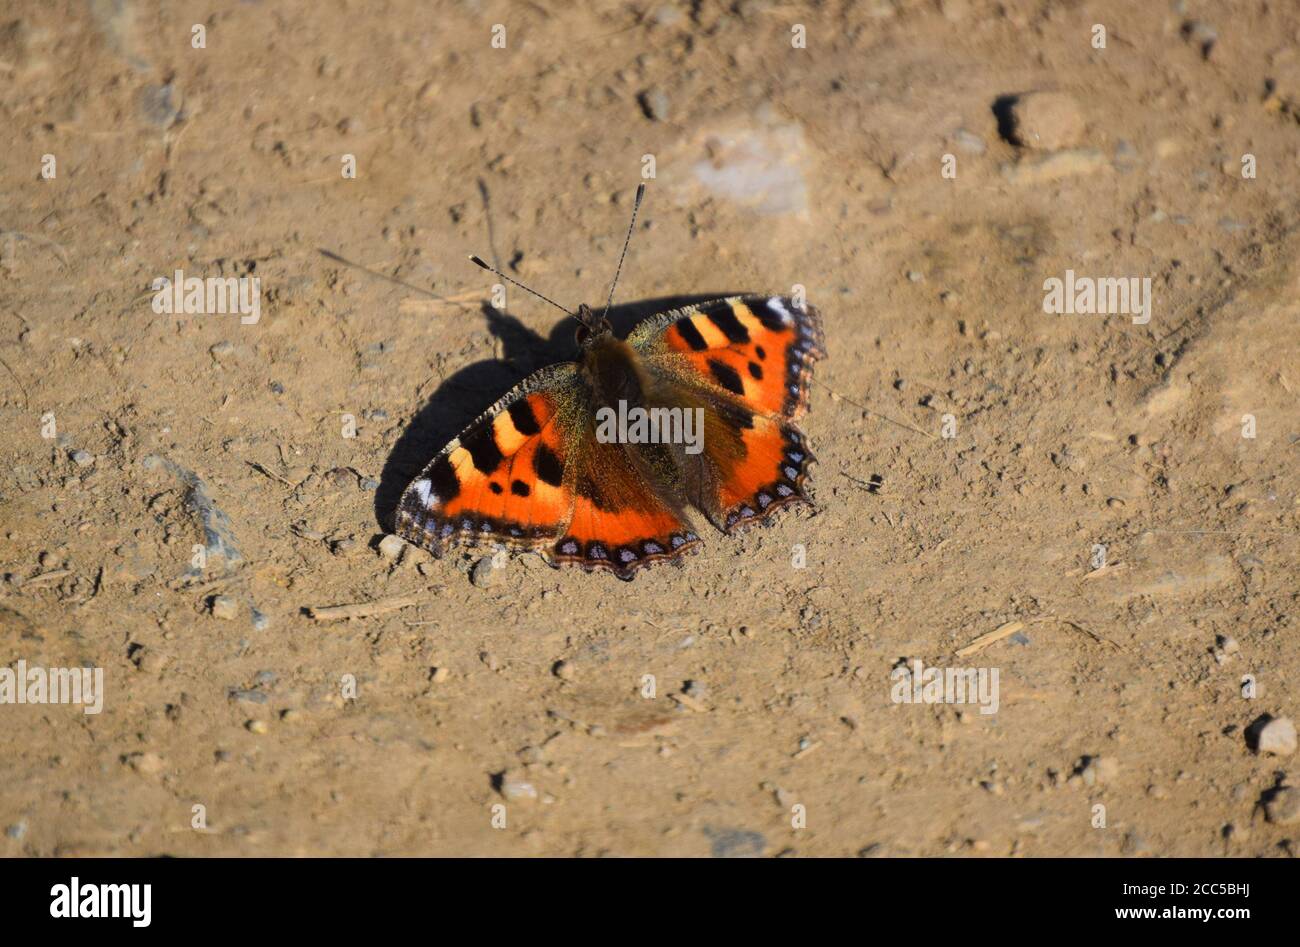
654	102
146	764
1278	737
1099	769
83	458
1284	807
391	546
440	675
564	670
516	788
482	574
224	607
257	726
1046	120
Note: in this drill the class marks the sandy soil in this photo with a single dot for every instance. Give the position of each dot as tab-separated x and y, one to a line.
771	730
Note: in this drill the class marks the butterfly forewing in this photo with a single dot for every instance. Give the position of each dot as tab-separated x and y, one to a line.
759	348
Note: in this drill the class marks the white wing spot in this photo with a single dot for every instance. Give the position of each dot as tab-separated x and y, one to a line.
424	490
778	307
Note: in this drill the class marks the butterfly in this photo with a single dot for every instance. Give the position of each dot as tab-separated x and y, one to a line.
549	469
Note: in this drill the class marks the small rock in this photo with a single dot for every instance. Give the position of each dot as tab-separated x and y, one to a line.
564	670
1277	737
1134	844
224	607
1046	121
340	477
654	103
257	726
513	786
1098	769
1284	806
83	458
736	843
151	662
1228	644
391	546
440	675
247	696
147	764
482	573
17	830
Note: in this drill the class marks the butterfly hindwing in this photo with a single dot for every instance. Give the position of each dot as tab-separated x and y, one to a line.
621	520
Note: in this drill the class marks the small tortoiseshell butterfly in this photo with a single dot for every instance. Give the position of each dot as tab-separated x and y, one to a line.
534	473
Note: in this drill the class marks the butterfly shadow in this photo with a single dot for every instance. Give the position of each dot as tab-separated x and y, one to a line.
464	395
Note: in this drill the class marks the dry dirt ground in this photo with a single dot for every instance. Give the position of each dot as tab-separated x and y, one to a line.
132	436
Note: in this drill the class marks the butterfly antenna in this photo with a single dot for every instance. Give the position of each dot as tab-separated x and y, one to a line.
492	269
636	205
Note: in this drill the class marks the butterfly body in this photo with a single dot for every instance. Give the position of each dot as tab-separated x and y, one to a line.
543	469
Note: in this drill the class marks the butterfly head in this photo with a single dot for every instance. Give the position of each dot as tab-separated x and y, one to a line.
590	325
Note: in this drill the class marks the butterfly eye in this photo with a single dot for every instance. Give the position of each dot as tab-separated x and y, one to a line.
583	334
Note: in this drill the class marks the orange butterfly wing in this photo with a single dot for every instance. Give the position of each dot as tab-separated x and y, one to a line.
622	519
503	479
750	359
530	474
